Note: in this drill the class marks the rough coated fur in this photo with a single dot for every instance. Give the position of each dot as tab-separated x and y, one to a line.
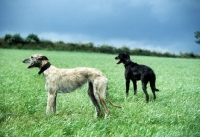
67	80
135	72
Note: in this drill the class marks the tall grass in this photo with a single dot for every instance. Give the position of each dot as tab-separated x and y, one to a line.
176	112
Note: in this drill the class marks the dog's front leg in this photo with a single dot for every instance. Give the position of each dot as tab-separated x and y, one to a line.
50	99
127	87
135	86
54	103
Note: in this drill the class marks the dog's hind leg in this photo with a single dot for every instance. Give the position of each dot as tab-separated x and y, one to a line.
154	93
103	103
99	90
153	88
54	103
50	99
144	87
152	85
94	100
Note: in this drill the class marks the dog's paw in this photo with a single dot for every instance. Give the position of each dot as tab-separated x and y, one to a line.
47	111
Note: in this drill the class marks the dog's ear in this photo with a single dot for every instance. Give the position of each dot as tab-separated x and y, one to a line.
127	55
43	58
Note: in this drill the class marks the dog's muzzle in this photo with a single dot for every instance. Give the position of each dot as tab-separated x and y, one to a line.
27	61
117	58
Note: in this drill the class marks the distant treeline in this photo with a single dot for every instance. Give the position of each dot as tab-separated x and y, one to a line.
33	42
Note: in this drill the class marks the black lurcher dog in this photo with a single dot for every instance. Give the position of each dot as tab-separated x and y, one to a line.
135	72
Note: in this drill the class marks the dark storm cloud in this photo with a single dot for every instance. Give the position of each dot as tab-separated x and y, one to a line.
167	25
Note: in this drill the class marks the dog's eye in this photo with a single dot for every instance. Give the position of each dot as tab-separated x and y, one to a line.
31	56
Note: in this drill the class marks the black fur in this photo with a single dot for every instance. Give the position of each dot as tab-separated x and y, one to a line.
135	72
46	66
43	58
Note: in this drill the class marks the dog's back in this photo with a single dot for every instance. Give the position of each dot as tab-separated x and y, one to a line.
138	69
67	80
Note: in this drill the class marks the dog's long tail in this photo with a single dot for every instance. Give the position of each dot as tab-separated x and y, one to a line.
153	83
108	97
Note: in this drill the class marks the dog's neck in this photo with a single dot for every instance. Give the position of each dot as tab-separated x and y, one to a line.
43	68
126	63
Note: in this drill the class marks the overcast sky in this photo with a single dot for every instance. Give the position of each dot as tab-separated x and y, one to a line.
161	25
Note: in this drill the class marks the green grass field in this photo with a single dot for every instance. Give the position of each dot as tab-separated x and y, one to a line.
175	113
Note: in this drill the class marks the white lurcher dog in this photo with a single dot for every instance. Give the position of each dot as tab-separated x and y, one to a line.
67	80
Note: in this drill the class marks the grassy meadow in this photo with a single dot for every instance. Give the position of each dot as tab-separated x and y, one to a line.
175	113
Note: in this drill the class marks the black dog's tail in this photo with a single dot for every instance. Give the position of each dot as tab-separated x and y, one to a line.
152	83
153	87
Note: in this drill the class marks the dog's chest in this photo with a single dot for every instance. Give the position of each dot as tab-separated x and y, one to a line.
132	73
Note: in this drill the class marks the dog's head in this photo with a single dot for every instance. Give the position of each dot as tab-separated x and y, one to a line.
35	60
122	58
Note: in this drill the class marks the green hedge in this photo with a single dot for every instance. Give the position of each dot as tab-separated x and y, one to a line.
33	42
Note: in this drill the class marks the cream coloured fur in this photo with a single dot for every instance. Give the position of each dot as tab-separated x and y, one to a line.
67	80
